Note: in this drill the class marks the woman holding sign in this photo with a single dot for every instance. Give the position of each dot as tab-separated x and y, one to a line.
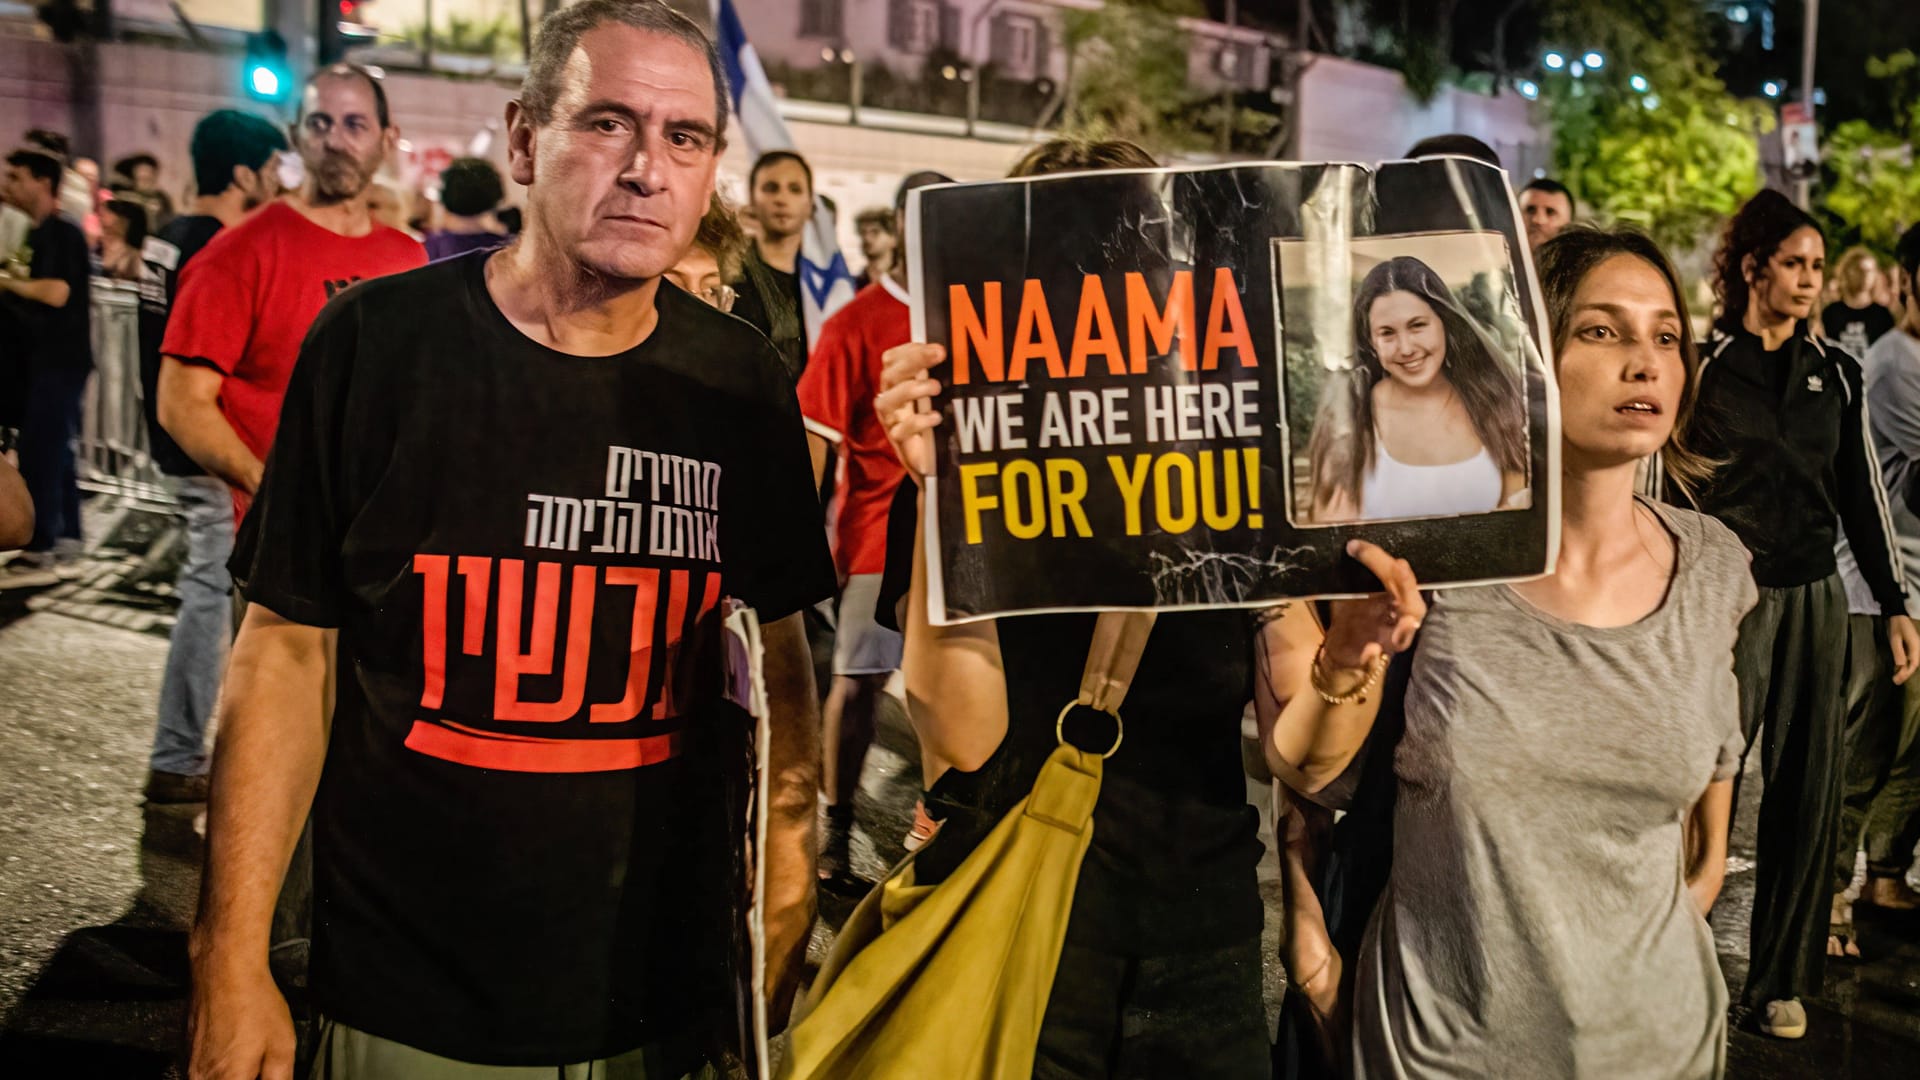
1429	422
1161	972
1564	778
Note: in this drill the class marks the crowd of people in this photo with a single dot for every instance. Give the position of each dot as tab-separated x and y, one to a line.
1504	809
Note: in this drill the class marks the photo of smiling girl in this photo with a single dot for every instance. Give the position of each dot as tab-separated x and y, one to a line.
1428	421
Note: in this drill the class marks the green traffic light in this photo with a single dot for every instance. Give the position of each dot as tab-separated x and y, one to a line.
264	82
265	75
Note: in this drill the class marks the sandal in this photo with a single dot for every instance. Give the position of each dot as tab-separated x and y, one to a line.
1842	942
1889	892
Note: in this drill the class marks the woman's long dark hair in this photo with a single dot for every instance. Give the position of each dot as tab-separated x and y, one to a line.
1564	262
1755	233
1343	444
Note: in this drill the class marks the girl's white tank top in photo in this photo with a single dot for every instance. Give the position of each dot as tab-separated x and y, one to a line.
1396	490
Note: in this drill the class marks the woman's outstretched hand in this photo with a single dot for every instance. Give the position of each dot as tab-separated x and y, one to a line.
1361	631
904	403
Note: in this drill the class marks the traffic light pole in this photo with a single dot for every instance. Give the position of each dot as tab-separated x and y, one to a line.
295	21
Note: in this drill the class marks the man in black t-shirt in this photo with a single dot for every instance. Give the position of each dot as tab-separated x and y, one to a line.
507	491
780	191
52	303
233	165
1856	320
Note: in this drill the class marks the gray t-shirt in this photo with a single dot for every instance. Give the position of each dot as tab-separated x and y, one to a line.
1891	370
1537	922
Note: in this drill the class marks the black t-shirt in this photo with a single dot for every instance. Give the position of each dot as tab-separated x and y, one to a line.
757	309
166	254
515	846
62	336
1172	866
1856	328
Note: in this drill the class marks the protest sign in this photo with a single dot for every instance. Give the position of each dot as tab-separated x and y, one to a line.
744	740
1189	388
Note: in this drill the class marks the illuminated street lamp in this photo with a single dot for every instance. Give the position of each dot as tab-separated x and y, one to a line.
1594	60
1639	84
831	55
1554	61
1529	89
965	73
1771	88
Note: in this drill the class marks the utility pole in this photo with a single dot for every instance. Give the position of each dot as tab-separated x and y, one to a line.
1810	30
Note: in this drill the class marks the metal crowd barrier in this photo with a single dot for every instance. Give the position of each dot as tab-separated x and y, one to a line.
115	449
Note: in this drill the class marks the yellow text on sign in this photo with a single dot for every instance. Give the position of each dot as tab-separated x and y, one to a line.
1030	500
1184	489
1180	491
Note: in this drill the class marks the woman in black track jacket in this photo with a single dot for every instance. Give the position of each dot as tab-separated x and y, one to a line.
1783	408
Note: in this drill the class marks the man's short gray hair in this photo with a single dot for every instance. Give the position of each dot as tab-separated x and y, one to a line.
560	32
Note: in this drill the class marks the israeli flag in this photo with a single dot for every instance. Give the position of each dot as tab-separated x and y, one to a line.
825	282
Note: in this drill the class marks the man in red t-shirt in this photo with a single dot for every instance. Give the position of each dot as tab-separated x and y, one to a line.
246	302
836	403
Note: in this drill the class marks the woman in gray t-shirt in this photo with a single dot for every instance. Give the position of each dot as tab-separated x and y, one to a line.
1564	774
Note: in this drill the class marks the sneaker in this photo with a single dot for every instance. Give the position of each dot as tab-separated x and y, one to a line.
170	787
29	570
1785	1019
923	827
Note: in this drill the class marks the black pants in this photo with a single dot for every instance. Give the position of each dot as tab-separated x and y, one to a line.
1198	1016
47	431
1882	806
1791	663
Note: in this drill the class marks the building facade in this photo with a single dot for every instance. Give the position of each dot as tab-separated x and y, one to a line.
906	49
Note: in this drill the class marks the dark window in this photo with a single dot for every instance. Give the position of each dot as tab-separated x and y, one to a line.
921	26
823	18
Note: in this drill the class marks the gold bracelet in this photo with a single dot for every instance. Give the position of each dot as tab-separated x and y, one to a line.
1355	696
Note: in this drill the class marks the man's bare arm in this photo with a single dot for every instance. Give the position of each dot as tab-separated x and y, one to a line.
53	292
793	787
266	765
16	508
189	407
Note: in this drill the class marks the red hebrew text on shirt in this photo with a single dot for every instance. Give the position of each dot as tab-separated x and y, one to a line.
535	618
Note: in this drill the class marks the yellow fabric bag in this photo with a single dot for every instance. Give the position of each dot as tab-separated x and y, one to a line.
951	980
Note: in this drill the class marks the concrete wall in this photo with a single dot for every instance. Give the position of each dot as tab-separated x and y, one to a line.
1358	112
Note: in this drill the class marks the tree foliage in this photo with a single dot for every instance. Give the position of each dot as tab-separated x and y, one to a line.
1127	68
1127	78
1873	190
1675	159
